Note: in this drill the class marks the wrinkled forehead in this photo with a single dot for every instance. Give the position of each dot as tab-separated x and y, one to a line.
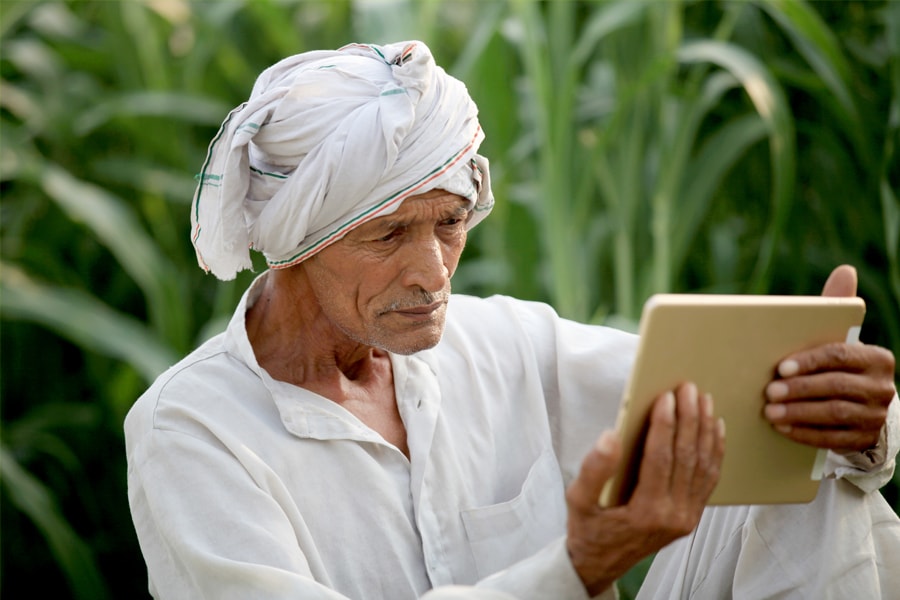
431	207
433	203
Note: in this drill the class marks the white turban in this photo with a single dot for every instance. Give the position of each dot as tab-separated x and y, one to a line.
327	141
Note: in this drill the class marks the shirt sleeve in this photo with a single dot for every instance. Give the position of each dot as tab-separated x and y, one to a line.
198	546
547	574
873	468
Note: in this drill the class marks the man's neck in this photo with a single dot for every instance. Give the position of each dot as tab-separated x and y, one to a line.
296	344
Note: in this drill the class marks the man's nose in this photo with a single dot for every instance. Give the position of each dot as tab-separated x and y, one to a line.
426	265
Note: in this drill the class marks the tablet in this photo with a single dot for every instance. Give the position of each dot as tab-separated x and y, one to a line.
730	346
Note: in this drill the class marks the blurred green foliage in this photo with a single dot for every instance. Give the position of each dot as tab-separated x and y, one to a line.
636	147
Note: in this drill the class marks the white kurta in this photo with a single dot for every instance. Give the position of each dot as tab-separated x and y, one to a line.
246	487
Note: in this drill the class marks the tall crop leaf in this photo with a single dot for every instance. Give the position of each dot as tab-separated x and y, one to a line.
818	45
176	107
771	104
33	498
85	320
117	227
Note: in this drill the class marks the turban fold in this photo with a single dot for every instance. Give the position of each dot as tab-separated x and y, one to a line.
327	141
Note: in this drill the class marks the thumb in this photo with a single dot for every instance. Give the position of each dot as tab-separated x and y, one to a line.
841	282
598	466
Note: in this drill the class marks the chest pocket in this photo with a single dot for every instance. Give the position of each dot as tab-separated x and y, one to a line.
502	534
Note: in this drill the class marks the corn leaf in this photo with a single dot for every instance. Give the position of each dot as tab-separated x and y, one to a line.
85	320
771	104
117	227
33	498
174	106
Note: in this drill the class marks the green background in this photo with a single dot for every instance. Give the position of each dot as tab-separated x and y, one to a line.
636	147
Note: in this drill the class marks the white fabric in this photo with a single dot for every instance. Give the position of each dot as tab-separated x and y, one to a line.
459	592
245	487
857	467
841	546
784	552
327	141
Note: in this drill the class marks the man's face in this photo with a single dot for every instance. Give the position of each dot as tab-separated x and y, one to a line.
386	283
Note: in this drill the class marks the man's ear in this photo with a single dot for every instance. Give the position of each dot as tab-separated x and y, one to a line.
841	282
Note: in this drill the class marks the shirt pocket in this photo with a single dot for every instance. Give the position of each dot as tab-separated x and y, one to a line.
502	534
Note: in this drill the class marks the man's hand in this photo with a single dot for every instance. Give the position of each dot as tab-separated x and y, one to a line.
833	396
680	467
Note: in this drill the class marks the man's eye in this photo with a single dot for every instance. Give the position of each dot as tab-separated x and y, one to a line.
451	221
390	236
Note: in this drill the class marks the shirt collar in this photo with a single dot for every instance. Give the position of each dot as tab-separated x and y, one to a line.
303	413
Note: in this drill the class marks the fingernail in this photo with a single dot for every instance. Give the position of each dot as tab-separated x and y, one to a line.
604	443
720	427
789	367
775	411
669	404
706	404
692	396
783	428
776	390
691	389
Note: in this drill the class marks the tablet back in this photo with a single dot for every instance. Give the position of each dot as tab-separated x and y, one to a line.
730	346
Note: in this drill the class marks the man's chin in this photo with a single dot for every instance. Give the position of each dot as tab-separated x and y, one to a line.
411	342
398	346
408	351
407	338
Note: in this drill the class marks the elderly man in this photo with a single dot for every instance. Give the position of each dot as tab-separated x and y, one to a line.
360	432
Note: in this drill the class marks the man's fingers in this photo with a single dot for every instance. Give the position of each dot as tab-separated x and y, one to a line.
835	424
711	445
853	358
834	395
687	451
841	440
597	467
827	414
682	459
852	387
655	472
841	282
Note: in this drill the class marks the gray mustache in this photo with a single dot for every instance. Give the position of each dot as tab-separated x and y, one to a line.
421	299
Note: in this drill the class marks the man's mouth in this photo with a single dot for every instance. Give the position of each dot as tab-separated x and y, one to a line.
423	309
418	307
